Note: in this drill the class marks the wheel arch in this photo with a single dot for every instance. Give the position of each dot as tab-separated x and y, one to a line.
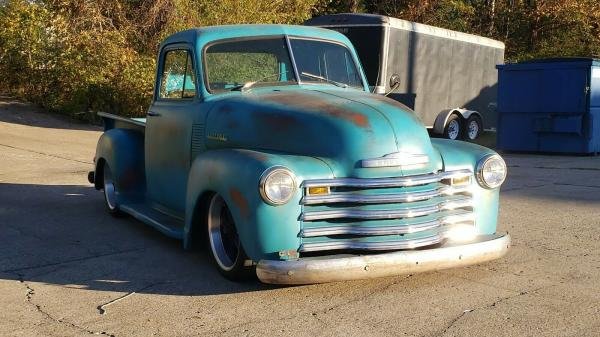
235	174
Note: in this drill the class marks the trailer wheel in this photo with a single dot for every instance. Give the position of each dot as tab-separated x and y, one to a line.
453	127
224	243
473	127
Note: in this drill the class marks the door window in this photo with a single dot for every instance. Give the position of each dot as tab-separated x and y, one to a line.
178	80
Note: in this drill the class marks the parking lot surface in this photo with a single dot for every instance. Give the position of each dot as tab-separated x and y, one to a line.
67	268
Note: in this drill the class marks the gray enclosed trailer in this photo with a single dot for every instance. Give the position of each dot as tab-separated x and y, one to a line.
449	78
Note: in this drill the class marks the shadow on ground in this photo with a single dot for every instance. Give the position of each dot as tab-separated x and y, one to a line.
61	234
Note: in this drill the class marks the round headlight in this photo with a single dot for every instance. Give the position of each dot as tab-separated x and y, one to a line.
491	171
277	185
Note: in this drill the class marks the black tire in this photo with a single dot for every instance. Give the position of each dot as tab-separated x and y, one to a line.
453	129
473	127
223	242
110	192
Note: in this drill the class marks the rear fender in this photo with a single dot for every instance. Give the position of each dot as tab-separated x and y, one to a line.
123	151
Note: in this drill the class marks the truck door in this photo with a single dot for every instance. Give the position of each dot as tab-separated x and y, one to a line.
168	130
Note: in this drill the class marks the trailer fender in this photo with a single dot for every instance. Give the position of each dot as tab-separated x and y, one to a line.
442	118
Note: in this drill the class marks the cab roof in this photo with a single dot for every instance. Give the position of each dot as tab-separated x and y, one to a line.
205	35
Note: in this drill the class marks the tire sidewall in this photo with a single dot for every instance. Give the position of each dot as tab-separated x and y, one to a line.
115	211
238	272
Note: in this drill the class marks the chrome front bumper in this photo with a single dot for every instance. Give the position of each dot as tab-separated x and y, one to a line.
353	267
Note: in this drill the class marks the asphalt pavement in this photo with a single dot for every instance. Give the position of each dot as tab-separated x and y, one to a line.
67	268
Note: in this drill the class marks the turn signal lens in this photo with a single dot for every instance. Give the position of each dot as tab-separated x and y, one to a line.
461	181
318	190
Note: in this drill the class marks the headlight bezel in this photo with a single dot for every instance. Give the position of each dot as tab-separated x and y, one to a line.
481	166
263	184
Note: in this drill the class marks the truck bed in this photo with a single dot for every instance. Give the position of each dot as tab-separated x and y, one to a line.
112	121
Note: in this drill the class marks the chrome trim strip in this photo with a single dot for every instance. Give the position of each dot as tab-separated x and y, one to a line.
462	217
388	182
354	267
401	159
387	245
408	212
382	198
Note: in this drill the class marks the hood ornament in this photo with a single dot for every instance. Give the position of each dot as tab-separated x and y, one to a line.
402	159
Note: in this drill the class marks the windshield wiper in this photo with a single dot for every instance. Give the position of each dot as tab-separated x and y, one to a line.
339	84
247	85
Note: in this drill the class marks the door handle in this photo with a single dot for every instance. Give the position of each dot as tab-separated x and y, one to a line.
152	114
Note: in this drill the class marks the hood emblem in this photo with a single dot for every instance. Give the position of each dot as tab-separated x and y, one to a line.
401	159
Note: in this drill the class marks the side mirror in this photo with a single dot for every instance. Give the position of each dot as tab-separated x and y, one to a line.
394	81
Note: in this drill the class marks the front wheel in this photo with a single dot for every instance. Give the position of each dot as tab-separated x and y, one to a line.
225	247
473	127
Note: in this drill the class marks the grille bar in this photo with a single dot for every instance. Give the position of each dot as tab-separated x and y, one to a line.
460	217
385	245
388	182
408	212
382	198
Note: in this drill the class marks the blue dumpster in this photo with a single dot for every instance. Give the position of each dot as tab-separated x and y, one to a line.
549	105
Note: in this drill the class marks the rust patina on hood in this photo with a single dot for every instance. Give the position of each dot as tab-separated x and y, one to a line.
341	127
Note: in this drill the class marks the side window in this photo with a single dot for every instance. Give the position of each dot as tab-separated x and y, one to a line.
177	80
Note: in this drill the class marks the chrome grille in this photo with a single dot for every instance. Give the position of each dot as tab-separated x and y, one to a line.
384	213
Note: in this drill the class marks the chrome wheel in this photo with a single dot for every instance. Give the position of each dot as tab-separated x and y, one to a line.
473	129
453	129
222	234
110	193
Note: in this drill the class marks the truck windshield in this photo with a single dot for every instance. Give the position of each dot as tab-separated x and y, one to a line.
231	65
322	61
239	64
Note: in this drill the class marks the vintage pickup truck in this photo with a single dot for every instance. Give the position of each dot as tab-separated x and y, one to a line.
263	143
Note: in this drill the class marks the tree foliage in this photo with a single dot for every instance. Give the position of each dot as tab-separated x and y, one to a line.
80	56
77	56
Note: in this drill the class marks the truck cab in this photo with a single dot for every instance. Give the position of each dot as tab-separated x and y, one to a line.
264	144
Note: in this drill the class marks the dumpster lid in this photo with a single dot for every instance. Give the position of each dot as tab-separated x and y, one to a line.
551	62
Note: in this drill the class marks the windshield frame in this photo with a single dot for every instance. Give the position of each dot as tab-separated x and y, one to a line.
287	38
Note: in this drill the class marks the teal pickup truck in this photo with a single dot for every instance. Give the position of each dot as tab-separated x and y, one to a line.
264	144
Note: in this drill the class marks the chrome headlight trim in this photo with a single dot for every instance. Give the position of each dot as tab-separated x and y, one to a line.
481	166
268	173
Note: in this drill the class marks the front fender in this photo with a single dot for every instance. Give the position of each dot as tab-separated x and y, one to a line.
264	229
462	155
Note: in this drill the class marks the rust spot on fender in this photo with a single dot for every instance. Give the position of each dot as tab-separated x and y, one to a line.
240	201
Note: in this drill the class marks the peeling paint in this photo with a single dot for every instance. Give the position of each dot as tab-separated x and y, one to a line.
240	202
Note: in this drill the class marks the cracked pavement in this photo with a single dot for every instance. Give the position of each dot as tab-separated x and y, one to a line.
67	268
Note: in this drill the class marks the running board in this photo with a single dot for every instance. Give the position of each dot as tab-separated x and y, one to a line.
166	224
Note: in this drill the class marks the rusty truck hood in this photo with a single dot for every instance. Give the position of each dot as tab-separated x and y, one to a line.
341	127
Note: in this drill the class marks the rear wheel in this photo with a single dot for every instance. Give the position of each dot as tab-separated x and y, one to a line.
453	127
225	247
110	192
473	127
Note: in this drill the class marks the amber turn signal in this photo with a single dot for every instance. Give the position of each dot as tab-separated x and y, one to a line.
318	190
